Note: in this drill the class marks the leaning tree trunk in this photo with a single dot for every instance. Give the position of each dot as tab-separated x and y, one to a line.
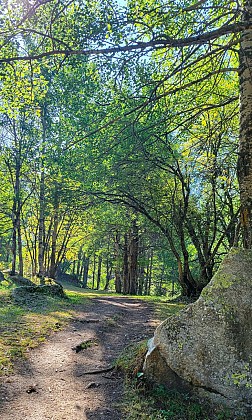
245	136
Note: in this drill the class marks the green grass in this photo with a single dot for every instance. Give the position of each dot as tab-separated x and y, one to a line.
152	402
26	324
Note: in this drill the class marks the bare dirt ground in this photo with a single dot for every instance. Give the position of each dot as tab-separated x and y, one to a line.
59	380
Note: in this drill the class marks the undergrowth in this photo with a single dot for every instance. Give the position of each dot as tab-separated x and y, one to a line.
146	401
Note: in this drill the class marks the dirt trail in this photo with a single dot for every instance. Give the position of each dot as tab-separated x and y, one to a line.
53	384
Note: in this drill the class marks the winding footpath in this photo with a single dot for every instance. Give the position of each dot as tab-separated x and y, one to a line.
70	377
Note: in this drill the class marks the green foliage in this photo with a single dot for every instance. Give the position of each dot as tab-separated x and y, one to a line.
152	131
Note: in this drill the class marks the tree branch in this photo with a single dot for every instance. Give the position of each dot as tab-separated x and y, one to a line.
165	42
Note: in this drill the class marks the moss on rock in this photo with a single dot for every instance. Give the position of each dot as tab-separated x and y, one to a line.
208	344
22	292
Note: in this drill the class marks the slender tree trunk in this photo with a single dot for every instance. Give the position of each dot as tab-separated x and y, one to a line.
20	248
74	265
16	206
133	259
85	272
126	265
53	266
41	229
140	281
148	276
108	274
99	272
13	248
244	167
118	281
94	269
79	261
30	248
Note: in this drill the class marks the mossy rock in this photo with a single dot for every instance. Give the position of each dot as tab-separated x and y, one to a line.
21	293
208	344
20	281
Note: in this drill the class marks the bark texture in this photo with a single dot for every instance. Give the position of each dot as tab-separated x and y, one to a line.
245	143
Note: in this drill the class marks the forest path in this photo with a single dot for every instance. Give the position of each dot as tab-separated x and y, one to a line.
52	385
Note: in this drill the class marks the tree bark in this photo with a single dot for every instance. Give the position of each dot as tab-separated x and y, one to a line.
85	272
108	273
125	265
53	265
133	259
99	272
41	229
16	207
118	281
94	269
244	165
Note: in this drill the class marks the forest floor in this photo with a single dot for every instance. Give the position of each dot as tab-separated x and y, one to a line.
71	375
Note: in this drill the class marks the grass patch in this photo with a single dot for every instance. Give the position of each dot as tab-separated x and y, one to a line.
152	402
25	325
164	310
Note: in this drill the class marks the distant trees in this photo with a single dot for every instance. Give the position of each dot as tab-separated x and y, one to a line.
136	107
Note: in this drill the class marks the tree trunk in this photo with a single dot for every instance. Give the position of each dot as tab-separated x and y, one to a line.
53	266
148	276
99	272
118	281
94	268
41	230
16	207
79	261
140	281
244	166
108	274
20	248
85	272
13	248
125	266
133	259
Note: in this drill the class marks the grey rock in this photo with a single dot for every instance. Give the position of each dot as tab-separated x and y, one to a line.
207	347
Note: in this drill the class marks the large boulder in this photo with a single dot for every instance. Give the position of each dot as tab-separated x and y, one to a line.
207	347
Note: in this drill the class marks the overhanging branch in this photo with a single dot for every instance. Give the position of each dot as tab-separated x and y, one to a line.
161	43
